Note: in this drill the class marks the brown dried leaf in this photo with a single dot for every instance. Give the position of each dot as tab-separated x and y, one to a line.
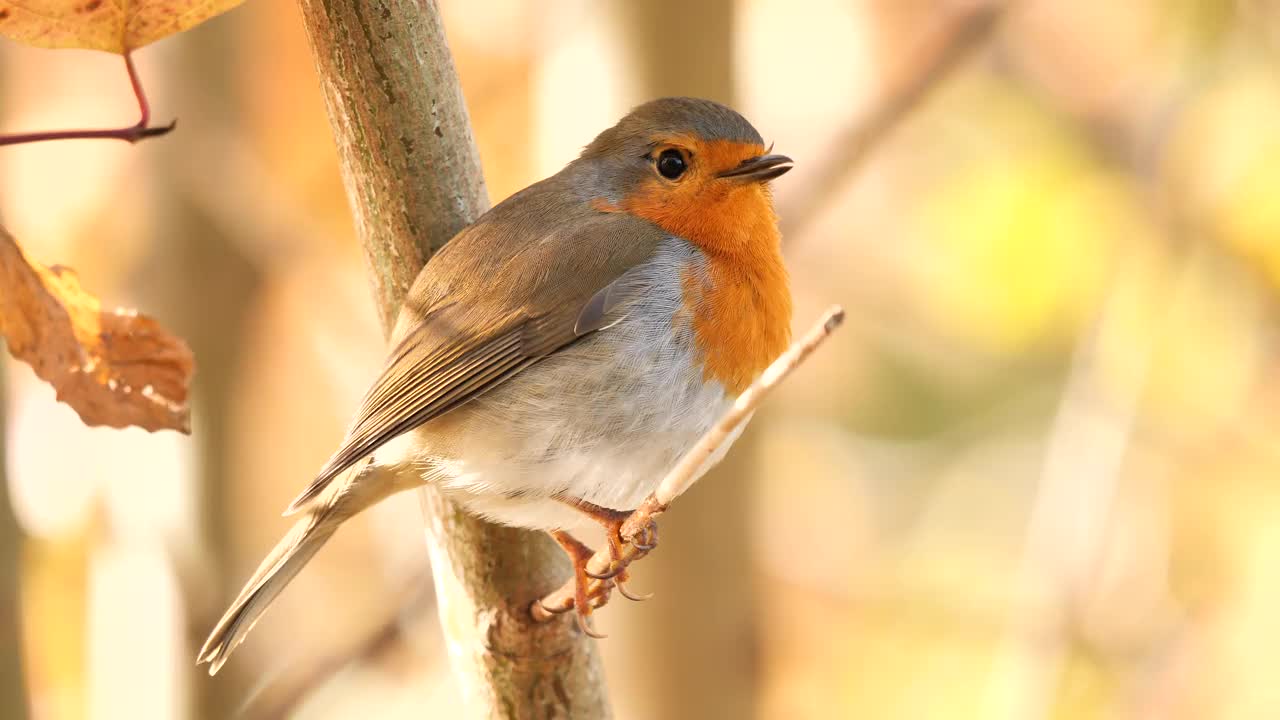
113	368
116	26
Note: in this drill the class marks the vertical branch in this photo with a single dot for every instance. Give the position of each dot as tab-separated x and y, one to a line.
1095	420
1078	485
12	686
12	682
413	180
409	161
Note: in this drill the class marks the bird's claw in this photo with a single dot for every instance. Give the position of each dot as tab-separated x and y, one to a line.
585	626
643	542
646	539
621	584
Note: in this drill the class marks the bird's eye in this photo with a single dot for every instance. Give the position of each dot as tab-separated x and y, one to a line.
671	164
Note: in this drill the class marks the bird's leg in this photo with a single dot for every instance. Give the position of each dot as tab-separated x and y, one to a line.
612	521
584	601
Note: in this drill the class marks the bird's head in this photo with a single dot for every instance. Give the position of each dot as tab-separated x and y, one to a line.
694	167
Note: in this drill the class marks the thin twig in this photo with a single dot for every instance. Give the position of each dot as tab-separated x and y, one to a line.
690	466
940	57
131	134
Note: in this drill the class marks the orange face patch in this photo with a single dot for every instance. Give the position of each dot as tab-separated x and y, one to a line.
720	215
741	304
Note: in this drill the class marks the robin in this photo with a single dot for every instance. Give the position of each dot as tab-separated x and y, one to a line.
557	357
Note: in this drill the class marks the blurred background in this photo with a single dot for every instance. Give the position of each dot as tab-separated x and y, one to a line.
1034	477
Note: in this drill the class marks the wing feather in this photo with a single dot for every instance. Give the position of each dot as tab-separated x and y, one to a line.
409	393
471	322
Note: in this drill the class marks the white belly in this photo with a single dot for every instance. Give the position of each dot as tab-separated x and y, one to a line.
602	420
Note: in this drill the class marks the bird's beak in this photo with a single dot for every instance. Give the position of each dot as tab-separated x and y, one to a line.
765	167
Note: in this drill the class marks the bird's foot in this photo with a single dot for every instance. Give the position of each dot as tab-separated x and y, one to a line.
587	596
619	560
613	522
592	587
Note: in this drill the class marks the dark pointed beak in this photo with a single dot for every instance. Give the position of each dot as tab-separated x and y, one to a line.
765	167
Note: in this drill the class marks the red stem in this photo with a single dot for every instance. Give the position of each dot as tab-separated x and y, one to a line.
138	92
130	134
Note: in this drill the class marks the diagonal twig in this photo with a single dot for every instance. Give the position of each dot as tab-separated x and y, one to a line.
689	468
379	642
943	54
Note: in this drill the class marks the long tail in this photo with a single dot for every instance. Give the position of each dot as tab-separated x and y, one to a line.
308	535
280	566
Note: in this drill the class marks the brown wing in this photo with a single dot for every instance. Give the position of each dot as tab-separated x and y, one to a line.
477	315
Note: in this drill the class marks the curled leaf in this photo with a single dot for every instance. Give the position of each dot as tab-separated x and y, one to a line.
115	368
116	26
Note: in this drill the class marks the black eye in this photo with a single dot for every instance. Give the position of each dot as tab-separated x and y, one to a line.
671	164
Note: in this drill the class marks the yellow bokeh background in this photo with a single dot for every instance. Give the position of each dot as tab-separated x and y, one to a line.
1035	476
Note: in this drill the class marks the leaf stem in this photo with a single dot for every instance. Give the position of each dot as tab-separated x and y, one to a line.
131	134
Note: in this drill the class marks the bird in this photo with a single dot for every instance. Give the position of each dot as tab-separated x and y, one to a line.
559	355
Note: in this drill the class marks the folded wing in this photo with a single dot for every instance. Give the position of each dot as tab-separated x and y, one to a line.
470	324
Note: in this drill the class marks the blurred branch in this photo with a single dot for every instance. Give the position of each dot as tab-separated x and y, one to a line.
1078	481
413	178
942	54
382	639
687	470
1073	506
187	262
277	234
1131	140
12	686
1095	420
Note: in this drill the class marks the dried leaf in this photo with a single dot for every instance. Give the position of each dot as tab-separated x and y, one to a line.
114	368
116	26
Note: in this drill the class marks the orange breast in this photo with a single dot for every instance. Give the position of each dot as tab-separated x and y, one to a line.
741	302
741	317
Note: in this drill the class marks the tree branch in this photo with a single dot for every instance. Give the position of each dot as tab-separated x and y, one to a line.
369	648
688	469
413	178
943	53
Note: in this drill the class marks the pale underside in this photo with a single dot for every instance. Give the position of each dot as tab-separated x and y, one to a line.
601	420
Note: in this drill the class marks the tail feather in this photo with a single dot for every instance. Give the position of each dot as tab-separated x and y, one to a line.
280	566
337	504
310	492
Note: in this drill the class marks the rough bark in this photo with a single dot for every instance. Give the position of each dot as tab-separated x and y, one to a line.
413	180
